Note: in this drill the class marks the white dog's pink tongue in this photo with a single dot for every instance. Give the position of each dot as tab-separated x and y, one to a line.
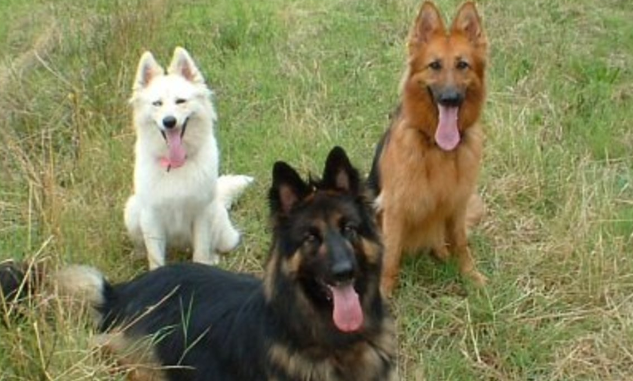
447	134
348	314
177	152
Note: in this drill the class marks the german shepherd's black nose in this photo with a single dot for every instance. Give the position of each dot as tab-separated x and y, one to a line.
342	270
169	122
450	97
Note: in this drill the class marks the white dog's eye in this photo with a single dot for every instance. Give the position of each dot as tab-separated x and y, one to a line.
157	103
180	101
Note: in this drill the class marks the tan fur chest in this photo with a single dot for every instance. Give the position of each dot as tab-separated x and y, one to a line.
422	182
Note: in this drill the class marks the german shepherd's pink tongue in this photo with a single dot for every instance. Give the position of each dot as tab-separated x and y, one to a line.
177	152
348	314
447	134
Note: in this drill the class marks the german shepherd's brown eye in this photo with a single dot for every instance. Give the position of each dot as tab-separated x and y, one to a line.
462	65
157	103
310	239
350	232
180	101
435	65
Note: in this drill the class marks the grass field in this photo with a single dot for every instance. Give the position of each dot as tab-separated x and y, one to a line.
294	78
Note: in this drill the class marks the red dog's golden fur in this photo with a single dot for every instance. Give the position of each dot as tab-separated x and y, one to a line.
426	167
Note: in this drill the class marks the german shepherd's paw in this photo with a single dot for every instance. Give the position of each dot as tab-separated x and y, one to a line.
477	278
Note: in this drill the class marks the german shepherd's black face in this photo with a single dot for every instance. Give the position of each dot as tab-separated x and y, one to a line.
326	246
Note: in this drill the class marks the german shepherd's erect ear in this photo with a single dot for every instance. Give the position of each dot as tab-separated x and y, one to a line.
339	174
427	25
468	23
288	188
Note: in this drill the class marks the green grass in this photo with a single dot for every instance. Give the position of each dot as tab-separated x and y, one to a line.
292	79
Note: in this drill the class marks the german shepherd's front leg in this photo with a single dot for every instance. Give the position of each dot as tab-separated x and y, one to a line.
458	241
393	233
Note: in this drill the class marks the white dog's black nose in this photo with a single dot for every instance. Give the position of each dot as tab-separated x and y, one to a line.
169	122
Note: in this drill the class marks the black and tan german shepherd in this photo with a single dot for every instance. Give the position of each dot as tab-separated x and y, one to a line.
317	315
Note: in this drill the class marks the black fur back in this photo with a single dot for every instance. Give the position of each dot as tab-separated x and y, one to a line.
199	311
373	180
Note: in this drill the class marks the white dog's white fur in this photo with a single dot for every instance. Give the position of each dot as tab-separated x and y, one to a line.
185	204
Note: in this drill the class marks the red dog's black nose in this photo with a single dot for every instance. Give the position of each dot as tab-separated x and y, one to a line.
169	122
450	98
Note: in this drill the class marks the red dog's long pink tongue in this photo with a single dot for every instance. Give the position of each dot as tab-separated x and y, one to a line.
348	314
447	134
177	152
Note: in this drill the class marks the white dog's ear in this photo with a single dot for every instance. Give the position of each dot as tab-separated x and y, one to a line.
183	65
148	69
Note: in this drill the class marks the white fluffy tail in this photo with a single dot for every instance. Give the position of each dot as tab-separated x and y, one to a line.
230	187
82	282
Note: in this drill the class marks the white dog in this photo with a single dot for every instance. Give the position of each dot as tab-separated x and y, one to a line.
178	200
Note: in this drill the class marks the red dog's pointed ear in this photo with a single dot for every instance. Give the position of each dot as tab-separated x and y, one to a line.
468	23
427	25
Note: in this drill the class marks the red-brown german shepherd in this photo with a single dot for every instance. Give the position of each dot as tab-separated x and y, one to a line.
426	166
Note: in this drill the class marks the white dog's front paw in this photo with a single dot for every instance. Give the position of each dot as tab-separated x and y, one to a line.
153	265
212	259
